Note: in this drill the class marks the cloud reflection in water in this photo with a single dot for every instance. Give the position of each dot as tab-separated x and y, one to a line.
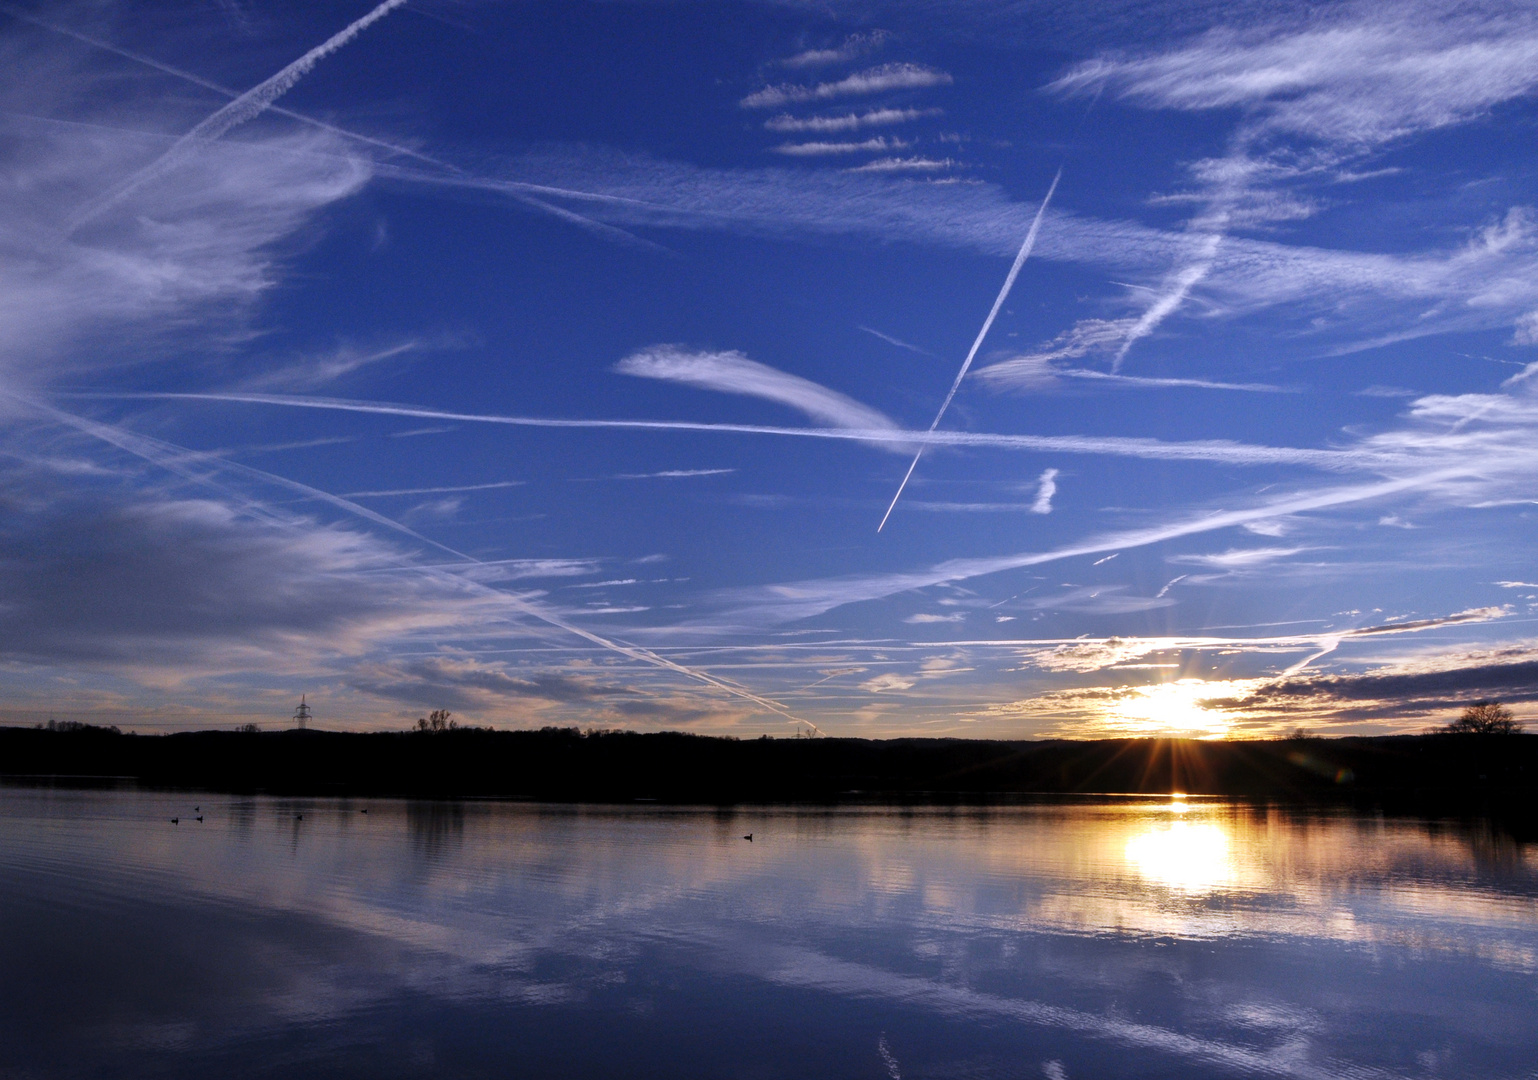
1190	937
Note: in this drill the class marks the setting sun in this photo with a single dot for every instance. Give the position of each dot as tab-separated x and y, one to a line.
1174	708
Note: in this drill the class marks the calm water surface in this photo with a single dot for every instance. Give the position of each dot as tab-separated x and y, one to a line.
493	940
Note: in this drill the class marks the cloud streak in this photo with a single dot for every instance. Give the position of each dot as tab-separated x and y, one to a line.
1038	373
831	125
874	80
825	149
432	490
1215	450
799	600
181	461
733	373
198	80
1362	80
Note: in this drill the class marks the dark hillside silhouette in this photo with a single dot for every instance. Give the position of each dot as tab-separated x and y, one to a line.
1441	769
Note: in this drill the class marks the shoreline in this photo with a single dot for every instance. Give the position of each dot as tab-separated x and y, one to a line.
1439	772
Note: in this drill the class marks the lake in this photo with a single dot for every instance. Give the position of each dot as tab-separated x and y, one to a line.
1190	938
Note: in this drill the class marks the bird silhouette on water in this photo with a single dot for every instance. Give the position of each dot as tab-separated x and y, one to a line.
176	821
298	817
749	838
198	818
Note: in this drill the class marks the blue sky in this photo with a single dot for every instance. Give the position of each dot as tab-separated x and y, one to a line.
557	363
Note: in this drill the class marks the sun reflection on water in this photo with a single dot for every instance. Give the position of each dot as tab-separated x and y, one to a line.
1190	856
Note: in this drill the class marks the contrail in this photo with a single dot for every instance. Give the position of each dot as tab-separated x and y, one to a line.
600	228
1009	283
172	457
246	107
597	228
1230	453
803	599
1170	299
208	84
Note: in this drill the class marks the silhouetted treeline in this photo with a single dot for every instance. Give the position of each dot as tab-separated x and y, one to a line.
567	764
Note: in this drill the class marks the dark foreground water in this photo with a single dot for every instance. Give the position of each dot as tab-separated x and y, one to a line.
496	940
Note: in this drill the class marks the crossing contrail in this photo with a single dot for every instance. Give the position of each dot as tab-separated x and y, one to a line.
581	221
179	460
246	107
209	84
1230	453
1009	283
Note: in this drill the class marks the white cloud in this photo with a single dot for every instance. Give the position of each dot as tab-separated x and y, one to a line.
1046	487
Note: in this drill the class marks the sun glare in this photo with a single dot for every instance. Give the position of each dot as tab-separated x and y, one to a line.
1174	708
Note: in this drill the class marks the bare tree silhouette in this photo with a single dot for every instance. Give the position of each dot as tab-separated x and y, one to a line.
1484	718
437	720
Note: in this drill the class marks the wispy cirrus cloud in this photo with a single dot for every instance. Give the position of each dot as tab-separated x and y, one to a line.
467	684
310	372
1037	374
876	80
832	125
453	488
1338	297
1344	84
391	148
804	599
673	474
1377	73
1238	558
915	164
851	48
242	109
202	249
1373	454
733	373
162	589
826	149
